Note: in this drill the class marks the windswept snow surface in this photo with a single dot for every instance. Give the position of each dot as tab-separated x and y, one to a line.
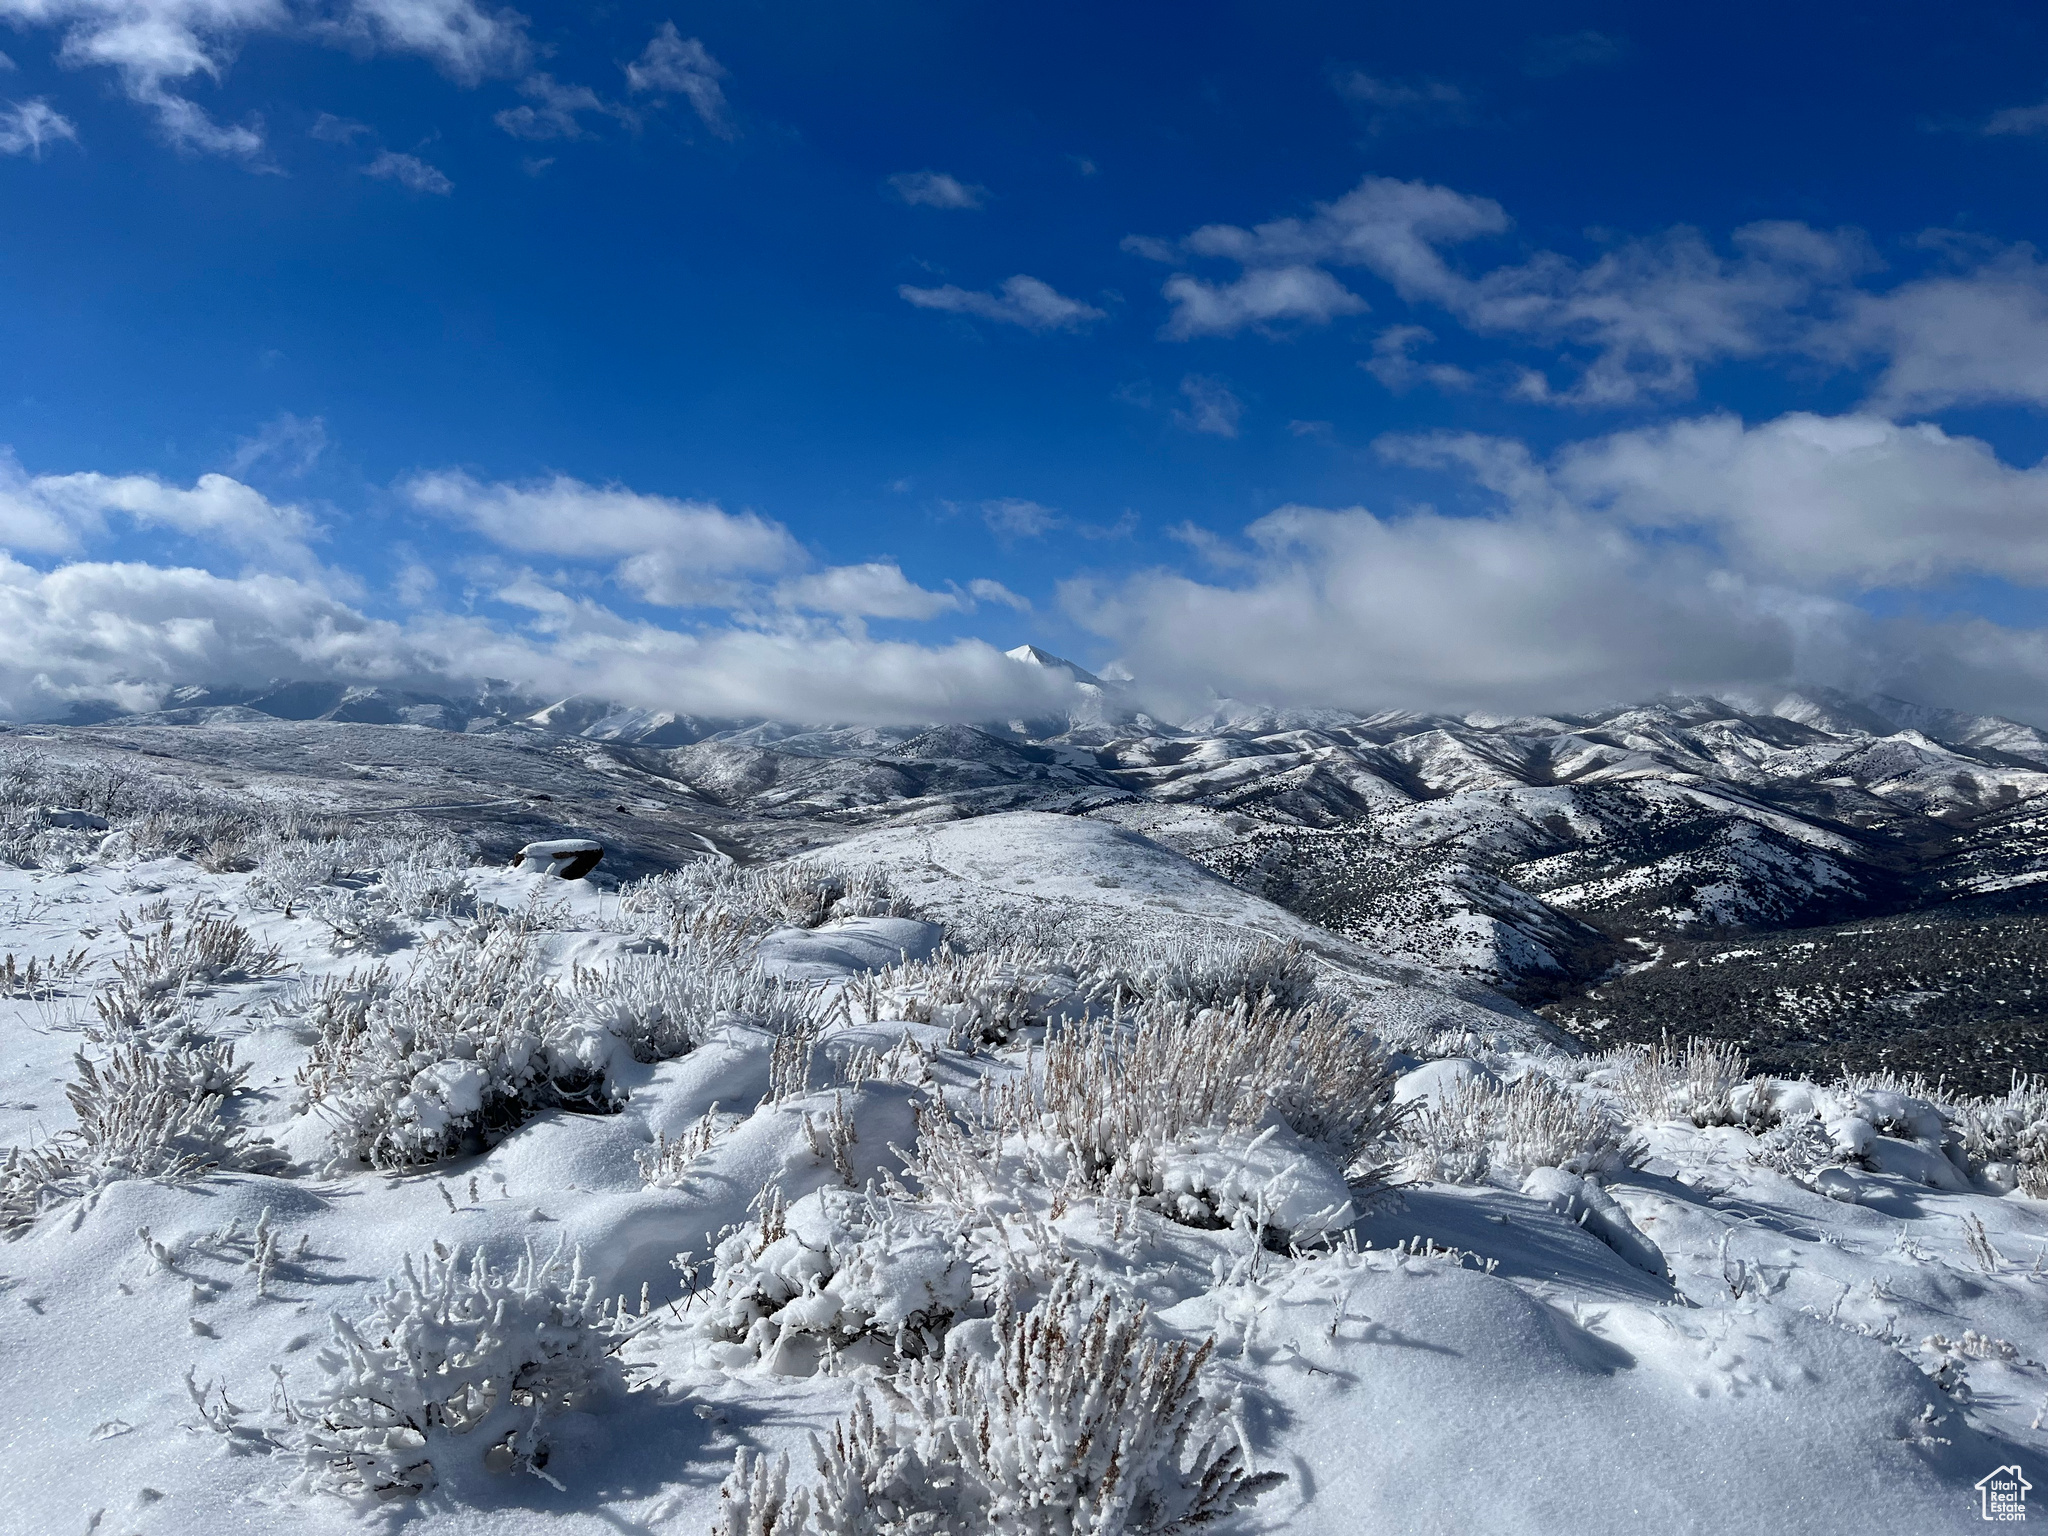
1846	1346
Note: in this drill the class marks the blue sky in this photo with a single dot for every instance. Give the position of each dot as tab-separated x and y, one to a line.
787	360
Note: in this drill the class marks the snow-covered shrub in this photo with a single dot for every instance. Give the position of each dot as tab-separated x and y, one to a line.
835	1273
41	977
358	922
1062	1420
666	1004
415	871
470	1044
1696	1081
21	836
206	951
721	896
288	872
983	998
2006	1138
1211	970
1480	1129
142	1114
426	884
1797	1148
333	1014
1111	1089
460	1368
669	1163
1183	1110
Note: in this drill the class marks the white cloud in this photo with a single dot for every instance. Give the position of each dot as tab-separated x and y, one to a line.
26	126
286	444
1953	338
329	129
1212	408
1692	555
128	631
563	516
1651	312
1013	517
2019	120
1392	365
1262	298
409	171
1023	300
552	110
1394	103
876	590
1349	609
60	514
935	189
987	591
155	46
682	65
462	39
1844	502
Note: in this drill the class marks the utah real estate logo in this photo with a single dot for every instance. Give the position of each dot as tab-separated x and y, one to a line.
2004	1493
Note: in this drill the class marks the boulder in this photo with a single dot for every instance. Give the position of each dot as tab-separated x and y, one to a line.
566	858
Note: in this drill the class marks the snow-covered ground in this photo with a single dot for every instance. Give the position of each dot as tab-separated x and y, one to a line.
889	1126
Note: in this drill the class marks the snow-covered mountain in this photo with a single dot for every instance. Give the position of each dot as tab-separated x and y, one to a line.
1589	864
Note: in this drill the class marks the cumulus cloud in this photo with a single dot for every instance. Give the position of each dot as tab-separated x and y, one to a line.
1651	312
682	66
59	514
676	553
1696	554
1022	300
1966	337
1842	502
1212	408
935	189
409	171
127	631
564	516
1348	608
156	46
1522	611
26	126
1693	555
877	590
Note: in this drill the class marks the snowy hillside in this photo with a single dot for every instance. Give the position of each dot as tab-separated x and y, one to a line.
1013	1172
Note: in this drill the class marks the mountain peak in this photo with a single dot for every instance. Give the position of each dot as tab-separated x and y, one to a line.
1031	655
